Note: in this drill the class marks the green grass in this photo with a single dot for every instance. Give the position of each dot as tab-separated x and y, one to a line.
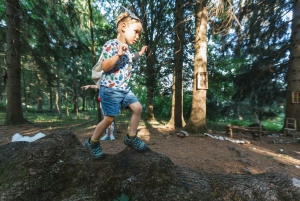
54	119
2	116
51	119
274	124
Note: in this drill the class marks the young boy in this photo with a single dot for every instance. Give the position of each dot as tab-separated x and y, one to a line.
116	63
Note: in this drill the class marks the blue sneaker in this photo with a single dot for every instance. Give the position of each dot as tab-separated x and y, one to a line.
137	144
94	148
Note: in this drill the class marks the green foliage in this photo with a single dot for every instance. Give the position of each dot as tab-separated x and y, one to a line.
265	46
162	106
273	125
2	115
123	197
2	106
187	104
247	66
53	119
270	125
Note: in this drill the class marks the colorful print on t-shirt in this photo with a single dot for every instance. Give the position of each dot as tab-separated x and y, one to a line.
118	77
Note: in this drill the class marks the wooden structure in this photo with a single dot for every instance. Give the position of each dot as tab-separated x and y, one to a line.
290	126
202	80
255	131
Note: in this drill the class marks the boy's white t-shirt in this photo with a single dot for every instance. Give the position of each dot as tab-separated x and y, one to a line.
118	77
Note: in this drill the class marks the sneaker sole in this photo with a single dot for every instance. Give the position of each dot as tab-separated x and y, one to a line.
144	149
87	147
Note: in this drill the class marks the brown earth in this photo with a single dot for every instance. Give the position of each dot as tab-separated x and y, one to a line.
196	151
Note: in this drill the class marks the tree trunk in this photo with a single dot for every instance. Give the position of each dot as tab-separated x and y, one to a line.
75	96
25	96
84	101
197	121
172	118
293	82
50	98
178	64
58	93
67	104
39	92
1	81
3	76
58	167
150	109
14	113
149	71
99	112
150	83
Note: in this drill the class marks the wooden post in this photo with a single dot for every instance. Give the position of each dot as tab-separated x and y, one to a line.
228	130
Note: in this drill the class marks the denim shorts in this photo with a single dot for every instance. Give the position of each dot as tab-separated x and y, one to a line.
113	99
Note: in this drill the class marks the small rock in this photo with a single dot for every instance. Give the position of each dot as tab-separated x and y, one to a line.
296	182
184	133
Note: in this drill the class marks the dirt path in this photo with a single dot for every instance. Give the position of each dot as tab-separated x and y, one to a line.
197	151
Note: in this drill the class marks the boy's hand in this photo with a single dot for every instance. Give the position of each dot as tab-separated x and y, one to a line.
89	86
143	50
85	87
122	49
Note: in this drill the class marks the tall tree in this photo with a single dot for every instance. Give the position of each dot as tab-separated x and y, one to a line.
263	43
293	82
14	113
91	27
3	74
177	89
197	121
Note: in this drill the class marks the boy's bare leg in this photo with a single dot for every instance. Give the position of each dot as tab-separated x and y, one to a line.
92	144
135	117
100	128
131	139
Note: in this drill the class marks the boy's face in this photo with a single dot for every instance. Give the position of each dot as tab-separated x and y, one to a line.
132	32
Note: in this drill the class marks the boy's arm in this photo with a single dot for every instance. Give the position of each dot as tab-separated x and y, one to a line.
109	63
140	53
89	86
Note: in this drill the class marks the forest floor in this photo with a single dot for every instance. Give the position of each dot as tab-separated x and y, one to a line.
199	152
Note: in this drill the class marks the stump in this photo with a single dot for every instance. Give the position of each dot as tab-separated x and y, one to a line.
59	168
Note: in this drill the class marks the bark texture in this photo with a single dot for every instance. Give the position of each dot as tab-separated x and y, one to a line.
178	63
14	114
197	121
58	167
293	82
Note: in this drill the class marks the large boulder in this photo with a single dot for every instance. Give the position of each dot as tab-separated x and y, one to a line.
59	168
